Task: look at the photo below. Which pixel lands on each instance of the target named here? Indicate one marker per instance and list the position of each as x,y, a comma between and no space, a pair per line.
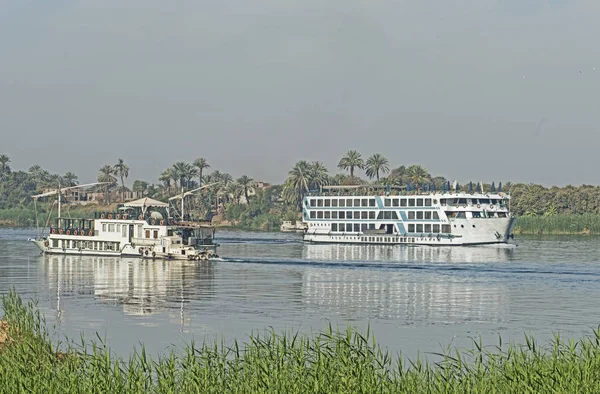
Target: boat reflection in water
415,285
141,287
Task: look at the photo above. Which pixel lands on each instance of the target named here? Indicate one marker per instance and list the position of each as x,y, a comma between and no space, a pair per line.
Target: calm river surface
415,299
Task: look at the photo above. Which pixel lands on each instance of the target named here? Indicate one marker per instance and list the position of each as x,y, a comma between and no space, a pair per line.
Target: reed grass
588,224
326,362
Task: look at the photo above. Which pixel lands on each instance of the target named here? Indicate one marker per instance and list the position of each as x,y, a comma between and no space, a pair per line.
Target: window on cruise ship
313,202
342,215
111,227
319,214
104,227
364,215
357,202
124,231
419,228
387,202
320,202
427,215
427,228
371,202
342,202
139,231
443,201
395,202
363,227
334,215
147,233
428,202
334,227
436,228
411,215
327,202
403,202
364,202
380,215
494,201
155,234
348,227
348,202
435,215
484,200
356,227
460,215
313,214
334,202
419,202
371,214
371,226
446,229
327,215
394,215
411,202
462,201
420,215
387,215
118,228
348,214
411,228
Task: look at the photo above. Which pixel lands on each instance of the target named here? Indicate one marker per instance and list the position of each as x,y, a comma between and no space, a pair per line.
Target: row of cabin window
342,202
412,228
366,215
91,245
115,228
382,215
465,201
370,202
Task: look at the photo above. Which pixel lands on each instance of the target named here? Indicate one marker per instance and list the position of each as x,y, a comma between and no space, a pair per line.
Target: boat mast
182,198
59,201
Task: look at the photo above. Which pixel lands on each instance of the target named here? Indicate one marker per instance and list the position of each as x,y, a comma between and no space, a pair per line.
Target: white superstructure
138,229
352,215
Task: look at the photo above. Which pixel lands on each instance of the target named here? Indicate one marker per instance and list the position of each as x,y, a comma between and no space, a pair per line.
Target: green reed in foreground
558,224
328,362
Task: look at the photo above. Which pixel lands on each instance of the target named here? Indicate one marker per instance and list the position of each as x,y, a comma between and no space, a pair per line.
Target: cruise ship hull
464,232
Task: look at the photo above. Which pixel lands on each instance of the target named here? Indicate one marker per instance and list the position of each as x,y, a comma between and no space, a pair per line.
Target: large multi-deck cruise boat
353,214
141,228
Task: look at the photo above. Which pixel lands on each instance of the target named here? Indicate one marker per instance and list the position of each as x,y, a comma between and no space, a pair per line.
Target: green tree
377,164
201,164
297,184
318,175
245,182
351,160
418,175
69,179
122,171
4,166
105,174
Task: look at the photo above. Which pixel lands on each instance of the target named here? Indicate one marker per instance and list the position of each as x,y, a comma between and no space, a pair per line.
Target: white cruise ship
351,214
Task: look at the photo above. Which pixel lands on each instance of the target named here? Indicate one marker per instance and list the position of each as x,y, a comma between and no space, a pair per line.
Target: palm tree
245,182
318,175
184,172
399,175
297,183
351,160
235,190
122,170
377,164
201,164
105,174
166,177
417,174
69,179
4,167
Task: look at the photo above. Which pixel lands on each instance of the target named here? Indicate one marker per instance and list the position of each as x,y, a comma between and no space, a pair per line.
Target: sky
472,90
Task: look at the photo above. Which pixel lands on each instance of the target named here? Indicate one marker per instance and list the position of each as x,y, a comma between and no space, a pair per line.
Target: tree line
234,198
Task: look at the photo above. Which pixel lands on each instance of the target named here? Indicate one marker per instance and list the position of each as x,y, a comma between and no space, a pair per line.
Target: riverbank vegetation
246,203
326,362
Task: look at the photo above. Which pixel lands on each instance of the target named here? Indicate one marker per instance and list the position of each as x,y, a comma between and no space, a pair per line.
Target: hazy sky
481,89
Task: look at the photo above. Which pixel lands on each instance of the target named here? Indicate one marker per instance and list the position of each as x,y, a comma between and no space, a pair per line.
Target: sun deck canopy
145,202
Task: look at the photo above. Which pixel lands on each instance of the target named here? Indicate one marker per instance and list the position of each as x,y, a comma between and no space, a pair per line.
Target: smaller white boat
141,228
288,227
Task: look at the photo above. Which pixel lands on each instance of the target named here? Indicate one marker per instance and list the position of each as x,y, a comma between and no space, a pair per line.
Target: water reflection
401,253
140,287
409,295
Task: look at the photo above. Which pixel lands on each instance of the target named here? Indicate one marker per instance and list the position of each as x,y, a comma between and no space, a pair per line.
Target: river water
415,300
